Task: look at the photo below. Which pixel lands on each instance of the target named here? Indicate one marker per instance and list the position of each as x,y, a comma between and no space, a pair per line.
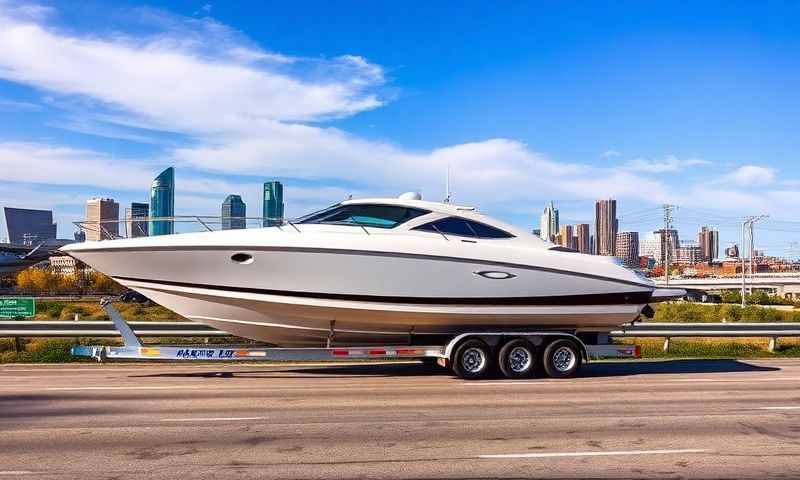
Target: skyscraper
548,226
708,240
605,227
566,237
102,219
657,244
627,248
234,212
137,211
162,202
273,203
26,225
582,238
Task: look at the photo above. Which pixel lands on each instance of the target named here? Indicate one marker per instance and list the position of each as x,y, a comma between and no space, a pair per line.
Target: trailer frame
134,350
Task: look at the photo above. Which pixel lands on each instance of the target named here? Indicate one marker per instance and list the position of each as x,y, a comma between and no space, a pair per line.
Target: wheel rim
564,359
519,359
473,359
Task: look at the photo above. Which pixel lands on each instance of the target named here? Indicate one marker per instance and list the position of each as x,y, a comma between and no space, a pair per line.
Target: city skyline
579,236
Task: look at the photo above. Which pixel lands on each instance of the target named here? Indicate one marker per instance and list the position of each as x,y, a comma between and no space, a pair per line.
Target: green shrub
49,310
696,312
688,348
47,350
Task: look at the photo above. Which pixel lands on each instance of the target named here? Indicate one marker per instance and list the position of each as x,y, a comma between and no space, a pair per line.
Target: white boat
374,271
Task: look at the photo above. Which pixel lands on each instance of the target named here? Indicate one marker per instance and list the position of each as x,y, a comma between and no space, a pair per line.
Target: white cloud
668,164
750,176
610,154
173,82
14,106
242,106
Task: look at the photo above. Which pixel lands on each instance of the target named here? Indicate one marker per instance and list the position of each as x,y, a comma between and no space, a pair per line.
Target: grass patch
40,350
678,312
715,347
61,310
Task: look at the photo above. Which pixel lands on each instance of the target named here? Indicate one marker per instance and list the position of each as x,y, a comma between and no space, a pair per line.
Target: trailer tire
472,360
517,359
562,359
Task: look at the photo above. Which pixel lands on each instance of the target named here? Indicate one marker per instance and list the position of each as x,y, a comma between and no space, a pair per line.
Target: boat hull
292,290
285,321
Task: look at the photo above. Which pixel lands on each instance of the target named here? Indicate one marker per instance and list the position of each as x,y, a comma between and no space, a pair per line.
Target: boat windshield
463,228
379,216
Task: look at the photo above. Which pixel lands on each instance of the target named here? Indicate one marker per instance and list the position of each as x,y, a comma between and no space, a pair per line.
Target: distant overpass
786,285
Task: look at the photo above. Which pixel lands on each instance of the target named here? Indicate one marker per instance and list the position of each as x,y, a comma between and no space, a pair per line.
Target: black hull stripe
342,251
631,298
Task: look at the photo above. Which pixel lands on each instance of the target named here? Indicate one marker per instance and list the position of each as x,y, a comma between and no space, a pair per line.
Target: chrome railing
144,226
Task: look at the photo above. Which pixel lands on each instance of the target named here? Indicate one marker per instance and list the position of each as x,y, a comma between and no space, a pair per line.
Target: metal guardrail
105,329
699,329
773,331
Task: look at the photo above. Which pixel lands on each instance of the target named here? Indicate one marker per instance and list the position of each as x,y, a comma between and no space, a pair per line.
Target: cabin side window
463,228
379,216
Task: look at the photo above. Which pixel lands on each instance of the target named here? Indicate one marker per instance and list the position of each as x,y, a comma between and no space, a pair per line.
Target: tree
104,284
731,296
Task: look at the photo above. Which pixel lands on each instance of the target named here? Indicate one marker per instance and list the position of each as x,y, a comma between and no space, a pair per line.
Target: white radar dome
411,196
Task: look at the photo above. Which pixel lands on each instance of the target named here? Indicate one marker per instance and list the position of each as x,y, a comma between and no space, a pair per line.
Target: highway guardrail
105,329
773,331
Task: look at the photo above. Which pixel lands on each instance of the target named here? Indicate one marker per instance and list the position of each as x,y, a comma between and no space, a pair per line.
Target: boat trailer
134,350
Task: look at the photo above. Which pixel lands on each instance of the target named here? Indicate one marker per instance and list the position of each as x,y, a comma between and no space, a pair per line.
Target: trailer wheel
517,359
562,359
472,360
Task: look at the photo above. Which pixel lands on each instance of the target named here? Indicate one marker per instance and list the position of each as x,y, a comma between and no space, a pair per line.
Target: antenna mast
447,192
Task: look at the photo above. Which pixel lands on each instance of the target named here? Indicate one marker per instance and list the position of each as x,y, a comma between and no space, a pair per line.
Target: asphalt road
676,419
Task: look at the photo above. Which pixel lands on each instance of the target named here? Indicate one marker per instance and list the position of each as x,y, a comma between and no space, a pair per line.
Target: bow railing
152,226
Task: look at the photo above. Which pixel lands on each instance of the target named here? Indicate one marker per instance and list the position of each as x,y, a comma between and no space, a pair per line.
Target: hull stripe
340,251
631,298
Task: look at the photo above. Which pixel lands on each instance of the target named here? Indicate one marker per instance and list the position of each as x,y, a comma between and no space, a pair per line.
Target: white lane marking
17,472
177,365
591,454
532,382
213,419
733,380
787,407
136,387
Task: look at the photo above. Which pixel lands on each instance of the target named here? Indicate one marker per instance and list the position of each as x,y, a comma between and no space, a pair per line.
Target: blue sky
694,104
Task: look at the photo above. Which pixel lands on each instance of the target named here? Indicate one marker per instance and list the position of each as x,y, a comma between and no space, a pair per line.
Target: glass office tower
273,203
162,202
234,212
28,226
137,211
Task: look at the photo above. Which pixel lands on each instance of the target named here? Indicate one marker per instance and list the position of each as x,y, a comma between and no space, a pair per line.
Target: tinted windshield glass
463,228
380,216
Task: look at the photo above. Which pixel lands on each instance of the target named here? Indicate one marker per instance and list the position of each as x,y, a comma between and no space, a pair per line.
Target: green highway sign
13,307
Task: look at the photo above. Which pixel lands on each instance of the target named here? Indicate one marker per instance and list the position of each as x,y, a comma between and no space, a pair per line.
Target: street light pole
741,256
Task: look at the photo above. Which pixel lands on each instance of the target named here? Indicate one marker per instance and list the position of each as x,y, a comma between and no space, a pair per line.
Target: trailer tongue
471,355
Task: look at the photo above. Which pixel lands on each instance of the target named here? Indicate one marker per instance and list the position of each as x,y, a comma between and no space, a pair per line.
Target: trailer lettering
195,353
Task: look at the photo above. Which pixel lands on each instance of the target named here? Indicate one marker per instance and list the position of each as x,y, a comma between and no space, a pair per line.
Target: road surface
674,419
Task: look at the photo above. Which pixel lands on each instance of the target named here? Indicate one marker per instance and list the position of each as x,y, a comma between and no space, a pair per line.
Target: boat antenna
447,192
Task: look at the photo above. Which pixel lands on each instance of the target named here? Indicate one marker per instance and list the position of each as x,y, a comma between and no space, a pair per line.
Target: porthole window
242,258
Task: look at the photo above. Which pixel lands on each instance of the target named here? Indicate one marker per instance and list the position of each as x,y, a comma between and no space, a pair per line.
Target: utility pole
741,255
752,246
666,239
747,225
